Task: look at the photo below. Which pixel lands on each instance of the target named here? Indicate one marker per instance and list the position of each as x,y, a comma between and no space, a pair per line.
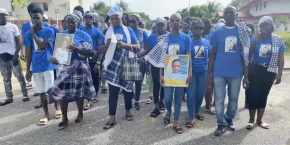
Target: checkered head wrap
75,17
267,19
137,16
161,20
79,14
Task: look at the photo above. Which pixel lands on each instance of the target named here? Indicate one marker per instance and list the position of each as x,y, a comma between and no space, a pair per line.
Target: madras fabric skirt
261,82
73,83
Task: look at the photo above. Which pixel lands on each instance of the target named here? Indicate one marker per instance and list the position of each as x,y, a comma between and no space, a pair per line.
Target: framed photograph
61,53
176,70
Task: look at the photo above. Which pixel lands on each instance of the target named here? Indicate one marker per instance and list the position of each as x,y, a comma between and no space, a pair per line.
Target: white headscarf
115,10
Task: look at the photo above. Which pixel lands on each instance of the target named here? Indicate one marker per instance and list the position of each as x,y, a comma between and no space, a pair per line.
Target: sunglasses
132,21
198,28
88,17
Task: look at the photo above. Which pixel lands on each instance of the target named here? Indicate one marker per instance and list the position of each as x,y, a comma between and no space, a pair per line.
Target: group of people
221,58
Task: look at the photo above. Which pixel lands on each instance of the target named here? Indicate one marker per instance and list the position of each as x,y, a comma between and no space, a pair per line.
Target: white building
253,10
50,7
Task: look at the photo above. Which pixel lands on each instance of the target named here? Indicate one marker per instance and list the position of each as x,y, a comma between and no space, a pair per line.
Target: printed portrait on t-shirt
3,36
119,37
173,49
199,52
231,44
265,50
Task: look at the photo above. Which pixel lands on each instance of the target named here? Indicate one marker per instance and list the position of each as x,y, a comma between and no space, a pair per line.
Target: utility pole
188,7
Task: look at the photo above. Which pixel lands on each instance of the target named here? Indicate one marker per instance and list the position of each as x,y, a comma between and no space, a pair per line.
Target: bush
286,37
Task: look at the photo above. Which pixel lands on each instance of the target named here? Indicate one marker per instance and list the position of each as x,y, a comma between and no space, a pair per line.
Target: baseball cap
3,11
45,17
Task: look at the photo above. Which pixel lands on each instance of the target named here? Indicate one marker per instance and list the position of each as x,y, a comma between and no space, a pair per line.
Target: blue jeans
168,96
220,85
196,92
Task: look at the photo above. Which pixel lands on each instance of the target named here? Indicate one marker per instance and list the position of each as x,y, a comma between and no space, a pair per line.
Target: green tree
282,20
124,5
211,8
101,8
19,4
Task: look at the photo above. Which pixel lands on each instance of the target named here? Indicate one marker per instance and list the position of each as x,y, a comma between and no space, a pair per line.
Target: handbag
6,57
132,68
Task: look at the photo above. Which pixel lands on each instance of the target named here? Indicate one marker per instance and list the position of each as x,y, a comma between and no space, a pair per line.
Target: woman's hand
121,44
28,76
53,60
246,83
96,67
278,79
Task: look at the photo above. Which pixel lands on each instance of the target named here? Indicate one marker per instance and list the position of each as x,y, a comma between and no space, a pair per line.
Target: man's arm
280,63
39,42
18,45
189,62
28,58
212,57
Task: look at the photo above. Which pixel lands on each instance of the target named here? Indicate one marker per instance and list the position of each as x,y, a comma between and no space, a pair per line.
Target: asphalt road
18,124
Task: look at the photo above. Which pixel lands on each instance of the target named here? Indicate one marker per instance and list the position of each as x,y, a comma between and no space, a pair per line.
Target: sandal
62,125
79,122
210,111
264,125
150,100
129,117
250,126
87,107
95,100
178,129
43,121
161,106
200,117
109,125
57,114
190,124
155,113
166,119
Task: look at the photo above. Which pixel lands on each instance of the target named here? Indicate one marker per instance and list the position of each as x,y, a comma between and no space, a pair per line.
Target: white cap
45,17
3,11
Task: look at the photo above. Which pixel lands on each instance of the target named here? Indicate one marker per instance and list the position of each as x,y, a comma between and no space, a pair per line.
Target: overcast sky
160,8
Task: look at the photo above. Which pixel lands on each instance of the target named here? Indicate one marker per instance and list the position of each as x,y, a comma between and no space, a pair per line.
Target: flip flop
178,129
43,121
95,100
57,114
129,117
149,101
87,107
250,126
200,117
264,125
189,124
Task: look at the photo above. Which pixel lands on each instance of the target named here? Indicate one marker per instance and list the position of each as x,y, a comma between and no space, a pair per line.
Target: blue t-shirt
55,29
95,34
145,38
207,37
152,40
26,27
40,58
200,54
178,44
79,38
263,51
120,35
228,62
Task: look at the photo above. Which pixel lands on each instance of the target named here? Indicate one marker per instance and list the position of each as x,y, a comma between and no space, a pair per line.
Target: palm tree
124,5
101,8
211,8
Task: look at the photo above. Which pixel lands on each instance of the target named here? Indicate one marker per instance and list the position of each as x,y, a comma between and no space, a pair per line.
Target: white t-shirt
7,34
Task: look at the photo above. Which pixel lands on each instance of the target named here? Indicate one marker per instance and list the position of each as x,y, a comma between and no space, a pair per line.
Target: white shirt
7,41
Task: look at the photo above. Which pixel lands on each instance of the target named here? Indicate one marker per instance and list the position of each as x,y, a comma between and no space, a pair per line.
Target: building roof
255,20
241,14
